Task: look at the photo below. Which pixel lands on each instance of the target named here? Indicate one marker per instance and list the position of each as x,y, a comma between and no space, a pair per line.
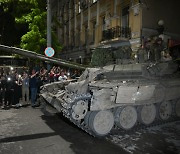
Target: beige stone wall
106,9
82,24
135,22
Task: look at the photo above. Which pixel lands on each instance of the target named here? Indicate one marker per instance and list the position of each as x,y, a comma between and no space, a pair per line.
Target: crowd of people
22,89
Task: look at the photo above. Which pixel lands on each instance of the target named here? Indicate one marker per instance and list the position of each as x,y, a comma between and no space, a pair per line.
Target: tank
120,95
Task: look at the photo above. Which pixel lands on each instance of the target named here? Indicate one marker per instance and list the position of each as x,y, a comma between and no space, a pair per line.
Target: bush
101,57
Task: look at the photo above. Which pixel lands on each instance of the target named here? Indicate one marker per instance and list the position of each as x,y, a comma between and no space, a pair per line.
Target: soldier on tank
141,55
158,48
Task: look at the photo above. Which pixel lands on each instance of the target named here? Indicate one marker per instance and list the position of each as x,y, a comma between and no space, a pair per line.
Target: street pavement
29,131
162,139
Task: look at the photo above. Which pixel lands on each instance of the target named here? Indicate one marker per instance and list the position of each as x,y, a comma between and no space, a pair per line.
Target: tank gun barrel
32,54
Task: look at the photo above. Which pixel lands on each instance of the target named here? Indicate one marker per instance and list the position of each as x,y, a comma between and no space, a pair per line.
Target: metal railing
116,32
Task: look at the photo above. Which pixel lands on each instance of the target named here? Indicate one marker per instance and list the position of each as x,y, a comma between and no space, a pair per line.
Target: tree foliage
35,39
101,57
30,14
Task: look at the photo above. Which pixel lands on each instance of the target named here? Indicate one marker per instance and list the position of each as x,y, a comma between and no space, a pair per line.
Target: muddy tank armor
118,96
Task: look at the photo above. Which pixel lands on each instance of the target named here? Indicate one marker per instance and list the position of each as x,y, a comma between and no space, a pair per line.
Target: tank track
80,123
139,126
82,126
67,110
116,130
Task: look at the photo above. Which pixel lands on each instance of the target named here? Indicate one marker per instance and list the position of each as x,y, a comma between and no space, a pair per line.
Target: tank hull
98,104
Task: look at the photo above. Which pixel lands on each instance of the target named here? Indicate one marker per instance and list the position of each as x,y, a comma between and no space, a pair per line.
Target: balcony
116,32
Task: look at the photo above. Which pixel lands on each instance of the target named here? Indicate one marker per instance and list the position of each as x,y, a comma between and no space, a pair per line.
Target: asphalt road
163,139
29,131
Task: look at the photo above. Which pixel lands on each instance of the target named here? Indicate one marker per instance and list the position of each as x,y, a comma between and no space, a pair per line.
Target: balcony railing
116,32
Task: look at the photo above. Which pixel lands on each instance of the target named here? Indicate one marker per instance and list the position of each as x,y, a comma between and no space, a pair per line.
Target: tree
35,38
101,57
10,31
30,14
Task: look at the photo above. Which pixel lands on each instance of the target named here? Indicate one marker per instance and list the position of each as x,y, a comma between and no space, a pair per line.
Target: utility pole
48,23
48,28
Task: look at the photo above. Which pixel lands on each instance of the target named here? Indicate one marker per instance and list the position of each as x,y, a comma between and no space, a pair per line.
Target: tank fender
80,87
132,94
102,99
159,93
172,89
55,86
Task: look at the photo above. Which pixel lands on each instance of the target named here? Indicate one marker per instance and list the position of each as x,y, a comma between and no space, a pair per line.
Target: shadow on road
26,137
80,141
63,132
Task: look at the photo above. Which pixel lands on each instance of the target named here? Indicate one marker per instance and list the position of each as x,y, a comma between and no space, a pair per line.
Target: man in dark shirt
33,87
3,87
16,89
9,93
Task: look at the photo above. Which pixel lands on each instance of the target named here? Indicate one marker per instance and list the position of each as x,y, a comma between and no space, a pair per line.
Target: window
125,17
94,30
86,35
78,37
103,23
72,7
73,38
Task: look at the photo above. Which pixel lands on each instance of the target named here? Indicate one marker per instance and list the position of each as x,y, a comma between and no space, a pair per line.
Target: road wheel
147,113
100,122
126,117
177,108
165,110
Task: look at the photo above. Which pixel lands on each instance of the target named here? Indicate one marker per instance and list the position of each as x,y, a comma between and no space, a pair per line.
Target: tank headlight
9,79
19,75
12,68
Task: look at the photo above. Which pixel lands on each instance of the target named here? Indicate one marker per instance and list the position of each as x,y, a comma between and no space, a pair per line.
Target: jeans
25,94
33,96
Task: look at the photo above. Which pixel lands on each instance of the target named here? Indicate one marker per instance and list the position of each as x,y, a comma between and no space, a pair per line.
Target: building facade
88,24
